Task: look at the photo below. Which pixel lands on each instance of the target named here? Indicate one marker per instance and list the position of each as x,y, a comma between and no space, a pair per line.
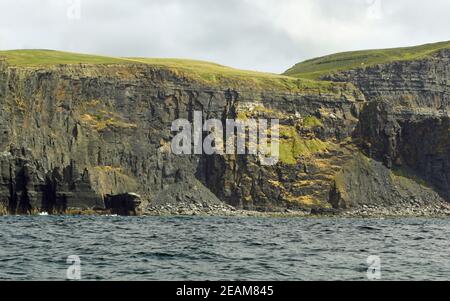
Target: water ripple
195,248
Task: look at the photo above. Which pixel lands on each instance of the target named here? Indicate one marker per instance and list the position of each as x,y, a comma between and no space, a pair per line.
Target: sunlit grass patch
319,67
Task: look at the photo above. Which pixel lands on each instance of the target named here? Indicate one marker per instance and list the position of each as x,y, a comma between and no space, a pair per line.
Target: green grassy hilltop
210,73
51,57
301,77
318,67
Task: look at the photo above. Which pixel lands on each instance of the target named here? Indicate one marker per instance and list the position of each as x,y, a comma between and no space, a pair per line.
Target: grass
312,122
204,72
50,57
215,74
306,200
300,78
100,122
293,146
319,67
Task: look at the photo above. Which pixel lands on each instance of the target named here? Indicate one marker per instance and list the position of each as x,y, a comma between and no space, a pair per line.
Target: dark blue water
157,248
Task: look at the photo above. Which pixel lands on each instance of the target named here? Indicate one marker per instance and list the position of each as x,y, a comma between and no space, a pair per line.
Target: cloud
266,35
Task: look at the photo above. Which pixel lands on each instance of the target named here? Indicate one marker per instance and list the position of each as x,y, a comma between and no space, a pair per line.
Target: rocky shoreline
203,205
432,211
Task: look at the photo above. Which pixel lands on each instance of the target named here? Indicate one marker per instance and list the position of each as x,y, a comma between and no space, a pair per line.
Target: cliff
79,131
405,124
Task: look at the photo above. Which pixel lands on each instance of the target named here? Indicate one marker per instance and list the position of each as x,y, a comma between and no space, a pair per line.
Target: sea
223,248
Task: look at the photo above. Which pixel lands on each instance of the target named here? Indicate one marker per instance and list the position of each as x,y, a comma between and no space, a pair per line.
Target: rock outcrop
123,204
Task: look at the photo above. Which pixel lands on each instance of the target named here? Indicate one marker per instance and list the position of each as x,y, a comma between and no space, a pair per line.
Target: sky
263,35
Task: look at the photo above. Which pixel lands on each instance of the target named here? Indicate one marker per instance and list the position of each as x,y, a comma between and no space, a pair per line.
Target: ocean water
213,248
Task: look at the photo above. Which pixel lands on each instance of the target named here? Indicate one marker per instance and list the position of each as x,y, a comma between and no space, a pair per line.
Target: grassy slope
318,67
50,57
216,74
209,73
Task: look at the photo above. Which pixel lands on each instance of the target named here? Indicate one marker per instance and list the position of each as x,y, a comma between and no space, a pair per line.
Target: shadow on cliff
411,145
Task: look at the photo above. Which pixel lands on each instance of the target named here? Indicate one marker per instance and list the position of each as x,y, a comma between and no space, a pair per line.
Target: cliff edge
89,133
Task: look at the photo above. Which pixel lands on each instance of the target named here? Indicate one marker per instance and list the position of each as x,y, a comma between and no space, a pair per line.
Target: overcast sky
265,35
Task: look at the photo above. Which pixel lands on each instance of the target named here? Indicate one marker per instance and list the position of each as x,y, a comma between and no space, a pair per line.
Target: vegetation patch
242,115
303,200
298,200
312,122
50,57
319,67
293,146
103,119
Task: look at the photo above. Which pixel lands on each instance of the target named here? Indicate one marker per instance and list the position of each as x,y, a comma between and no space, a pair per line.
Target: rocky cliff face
73,135
405,124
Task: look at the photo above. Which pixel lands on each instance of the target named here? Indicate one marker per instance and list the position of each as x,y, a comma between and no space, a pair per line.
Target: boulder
123,204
